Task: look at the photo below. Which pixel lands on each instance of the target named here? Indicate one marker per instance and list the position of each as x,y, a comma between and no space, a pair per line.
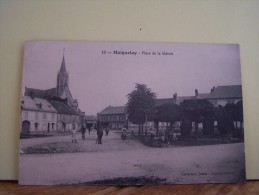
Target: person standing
74,135
124,134
83,130
99,135
107,131
89,130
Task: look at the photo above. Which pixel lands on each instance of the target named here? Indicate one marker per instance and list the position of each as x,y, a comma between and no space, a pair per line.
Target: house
67,117
221,95
37,115
113,116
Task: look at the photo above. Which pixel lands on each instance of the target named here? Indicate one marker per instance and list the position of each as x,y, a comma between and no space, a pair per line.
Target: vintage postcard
131,113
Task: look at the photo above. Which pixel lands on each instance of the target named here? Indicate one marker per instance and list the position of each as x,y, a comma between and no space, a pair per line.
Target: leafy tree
235,114
239,117
141,103
186,126
239,112
224,117
198,111
168,112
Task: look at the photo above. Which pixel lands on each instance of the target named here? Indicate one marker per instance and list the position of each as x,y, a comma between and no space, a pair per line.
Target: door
26,127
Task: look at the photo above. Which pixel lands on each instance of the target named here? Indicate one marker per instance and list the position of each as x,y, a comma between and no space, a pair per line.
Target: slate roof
63,108
36,104
114,110
63,66
40,93
226,92
179,99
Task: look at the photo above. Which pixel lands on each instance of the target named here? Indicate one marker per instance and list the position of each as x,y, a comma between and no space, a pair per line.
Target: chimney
174,98
196,93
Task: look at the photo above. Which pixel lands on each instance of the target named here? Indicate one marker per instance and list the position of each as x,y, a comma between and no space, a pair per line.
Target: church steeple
62,77
63,65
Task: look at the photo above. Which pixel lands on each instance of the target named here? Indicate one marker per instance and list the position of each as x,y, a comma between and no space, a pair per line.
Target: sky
98,77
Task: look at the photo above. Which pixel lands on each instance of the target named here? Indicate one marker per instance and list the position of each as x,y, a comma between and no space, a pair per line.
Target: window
52,125
44,115
36,126
36,116
26,114
53,116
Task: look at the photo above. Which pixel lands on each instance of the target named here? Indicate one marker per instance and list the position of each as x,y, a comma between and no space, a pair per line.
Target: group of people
100,132
83,131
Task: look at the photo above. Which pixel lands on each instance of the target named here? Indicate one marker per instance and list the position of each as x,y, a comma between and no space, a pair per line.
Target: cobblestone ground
115,159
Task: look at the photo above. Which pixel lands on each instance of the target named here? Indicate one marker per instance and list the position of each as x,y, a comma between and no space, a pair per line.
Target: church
69,116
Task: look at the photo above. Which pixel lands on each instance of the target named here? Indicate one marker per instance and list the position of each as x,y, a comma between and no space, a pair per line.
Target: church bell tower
62,77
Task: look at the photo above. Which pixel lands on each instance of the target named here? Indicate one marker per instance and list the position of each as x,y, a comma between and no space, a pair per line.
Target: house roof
36,104
40,93
160,102
178,100
202,95
114,110
63,108
226,92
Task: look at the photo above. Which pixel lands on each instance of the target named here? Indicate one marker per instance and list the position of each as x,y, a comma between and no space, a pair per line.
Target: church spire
62,77
63,66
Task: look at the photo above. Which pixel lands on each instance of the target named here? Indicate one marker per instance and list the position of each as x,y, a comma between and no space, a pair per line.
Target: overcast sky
98,80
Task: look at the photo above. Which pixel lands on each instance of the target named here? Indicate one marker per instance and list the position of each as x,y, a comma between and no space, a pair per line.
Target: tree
198,111
239,117
168,112
141,103
235,115
224,117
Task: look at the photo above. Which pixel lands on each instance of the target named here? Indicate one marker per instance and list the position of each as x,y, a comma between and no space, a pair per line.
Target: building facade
37,115
67,118
115,117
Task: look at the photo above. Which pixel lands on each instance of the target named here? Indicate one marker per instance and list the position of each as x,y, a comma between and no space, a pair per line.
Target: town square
90,116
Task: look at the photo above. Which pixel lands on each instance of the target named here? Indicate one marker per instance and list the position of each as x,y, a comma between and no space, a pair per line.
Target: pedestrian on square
124,133
83,130
74,135
99,135
89,130
107,131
